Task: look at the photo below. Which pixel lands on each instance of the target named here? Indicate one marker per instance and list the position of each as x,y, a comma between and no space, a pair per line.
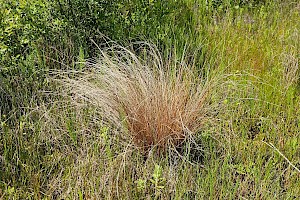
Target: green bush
124,21
22,24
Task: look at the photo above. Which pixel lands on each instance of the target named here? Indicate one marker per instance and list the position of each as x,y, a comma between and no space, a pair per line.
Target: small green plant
107,141
72,129
157,180
141,184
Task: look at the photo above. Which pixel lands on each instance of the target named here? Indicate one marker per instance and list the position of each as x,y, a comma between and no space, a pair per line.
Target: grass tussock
156,102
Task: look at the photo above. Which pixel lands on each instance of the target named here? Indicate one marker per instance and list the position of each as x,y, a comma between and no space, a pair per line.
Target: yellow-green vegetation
150,99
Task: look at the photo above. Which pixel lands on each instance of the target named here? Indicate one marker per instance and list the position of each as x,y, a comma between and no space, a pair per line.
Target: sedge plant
155,102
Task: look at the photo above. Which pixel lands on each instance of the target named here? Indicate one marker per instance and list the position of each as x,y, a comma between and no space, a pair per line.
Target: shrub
154,101
22,24
158,21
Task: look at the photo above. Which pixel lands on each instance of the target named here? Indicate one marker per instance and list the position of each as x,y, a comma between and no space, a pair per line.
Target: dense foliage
38,35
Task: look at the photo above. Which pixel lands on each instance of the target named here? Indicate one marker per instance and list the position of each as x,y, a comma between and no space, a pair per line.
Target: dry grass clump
153,101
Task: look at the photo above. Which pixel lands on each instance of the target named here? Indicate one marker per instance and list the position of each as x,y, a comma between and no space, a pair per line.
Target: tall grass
156,101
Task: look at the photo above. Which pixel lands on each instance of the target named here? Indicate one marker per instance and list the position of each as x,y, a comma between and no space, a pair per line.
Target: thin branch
272,146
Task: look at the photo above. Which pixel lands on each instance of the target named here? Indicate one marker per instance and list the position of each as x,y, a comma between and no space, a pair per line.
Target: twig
272,146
